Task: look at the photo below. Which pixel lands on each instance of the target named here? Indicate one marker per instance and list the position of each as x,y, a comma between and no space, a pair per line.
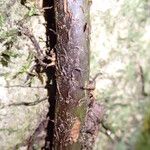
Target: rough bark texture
73,71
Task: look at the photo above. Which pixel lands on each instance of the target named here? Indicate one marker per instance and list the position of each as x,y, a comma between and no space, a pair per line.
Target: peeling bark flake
74,134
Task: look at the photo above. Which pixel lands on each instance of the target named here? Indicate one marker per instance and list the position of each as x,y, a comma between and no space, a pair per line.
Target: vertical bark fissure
51,85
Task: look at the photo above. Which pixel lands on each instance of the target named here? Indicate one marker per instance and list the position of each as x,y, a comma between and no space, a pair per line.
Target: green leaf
32,11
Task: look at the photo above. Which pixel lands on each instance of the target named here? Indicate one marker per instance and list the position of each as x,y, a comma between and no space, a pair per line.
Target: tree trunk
72,72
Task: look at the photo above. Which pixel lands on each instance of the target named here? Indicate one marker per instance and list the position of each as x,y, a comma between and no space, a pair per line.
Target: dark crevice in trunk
51,85
49,15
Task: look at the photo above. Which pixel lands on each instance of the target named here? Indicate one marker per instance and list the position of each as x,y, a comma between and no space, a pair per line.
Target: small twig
105,131
92,83
96,76
53,31
27,32
46,8
30,74
106,134
28,103
108,129
39,56
141,73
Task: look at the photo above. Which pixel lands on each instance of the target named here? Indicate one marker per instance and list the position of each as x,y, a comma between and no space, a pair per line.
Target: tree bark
72,72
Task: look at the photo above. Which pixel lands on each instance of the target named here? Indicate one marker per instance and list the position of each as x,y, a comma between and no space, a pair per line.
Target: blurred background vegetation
120,41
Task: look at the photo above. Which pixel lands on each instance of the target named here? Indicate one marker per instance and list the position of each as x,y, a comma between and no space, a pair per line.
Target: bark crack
51,84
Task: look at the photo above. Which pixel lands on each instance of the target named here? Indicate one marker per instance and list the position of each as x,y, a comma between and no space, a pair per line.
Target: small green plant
5,57
32,11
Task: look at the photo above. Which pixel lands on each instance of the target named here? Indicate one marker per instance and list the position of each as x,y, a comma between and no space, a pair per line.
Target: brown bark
72,72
